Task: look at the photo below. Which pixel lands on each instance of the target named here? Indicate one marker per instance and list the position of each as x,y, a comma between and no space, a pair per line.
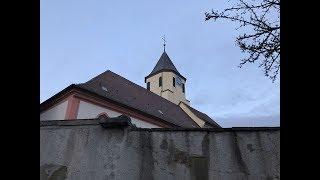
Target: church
162,104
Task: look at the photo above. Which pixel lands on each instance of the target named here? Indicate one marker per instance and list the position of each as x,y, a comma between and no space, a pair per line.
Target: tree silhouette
263,43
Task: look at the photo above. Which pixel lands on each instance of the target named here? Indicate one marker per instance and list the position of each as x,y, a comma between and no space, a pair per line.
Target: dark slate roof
132,95
164,64
204,117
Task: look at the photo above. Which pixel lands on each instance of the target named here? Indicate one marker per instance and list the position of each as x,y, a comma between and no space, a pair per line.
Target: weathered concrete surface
88,151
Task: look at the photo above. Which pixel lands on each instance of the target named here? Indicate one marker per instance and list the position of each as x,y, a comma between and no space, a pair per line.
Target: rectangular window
160,81
183,90
174,82
148,85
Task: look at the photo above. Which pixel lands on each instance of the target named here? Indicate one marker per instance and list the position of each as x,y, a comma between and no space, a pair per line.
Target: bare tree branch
264,43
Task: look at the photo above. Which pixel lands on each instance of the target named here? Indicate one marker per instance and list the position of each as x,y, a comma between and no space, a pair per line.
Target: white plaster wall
56,113
88,111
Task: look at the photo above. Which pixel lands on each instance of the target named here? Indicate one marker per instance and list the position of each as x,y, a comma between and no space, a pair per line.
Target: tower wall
167,90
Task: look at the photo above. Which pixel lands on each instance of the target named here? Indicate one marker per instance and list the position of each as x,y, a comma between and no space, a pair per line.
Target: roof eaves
164,70
45,104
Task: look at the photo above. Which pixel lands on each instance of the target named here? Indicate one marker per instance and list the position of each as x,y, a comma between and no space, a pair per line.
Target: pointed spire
164,64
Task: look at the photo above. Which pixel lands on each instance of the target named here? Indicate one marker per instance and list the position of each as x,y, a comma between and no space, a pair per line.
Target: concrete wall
82,152
58,112
175,94
88,111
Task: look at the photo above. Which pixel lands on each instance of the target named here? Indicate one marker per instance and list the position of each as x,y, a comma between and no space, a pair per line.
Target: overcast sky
83,38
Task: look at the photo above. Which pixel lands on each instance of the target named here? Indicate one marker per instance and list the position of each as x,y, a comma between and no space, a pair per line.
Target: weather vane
164,42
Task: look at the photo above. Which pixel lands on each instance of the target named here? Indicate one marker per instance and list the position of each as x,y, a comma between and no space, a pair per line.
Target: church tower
166,81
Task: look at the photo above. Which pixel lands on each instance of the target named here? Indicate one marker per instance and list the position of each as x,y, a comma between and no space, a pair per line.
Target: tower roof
164,64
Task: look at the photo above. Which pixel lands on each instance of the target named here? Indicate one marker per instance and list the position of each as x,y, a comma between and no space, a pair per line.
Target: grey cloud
200,100
249,121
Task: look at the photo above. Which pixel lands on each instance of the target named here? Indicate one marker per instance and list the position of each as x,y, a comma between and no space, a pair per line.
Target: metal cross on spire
164,42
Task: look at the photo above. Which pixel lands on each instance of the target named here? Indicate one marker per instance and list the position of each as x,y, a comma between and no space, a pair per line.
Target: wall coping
86,122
